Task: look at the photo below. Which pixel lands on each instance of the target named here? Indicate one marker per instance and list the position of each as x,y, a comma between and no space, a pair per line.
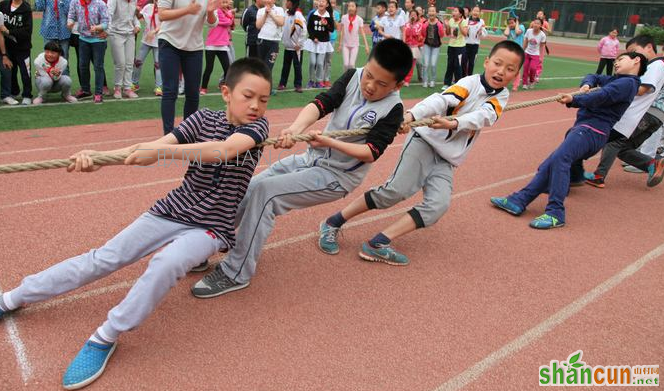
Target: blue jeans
171,61
94,51
553,175
64,45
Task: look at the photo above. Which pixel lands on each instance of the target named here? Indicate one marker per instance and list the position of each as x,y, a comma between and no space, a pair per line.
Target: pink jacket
414,36
608,47
221,34
441,29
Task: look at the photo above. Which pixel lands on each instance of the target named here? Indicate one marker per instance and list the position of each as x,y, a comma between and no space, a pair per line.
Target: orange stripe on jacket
496,106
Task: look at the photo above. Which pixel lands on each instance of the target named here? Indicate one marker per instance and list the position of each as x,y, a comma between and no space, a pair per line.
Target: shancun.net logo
575,372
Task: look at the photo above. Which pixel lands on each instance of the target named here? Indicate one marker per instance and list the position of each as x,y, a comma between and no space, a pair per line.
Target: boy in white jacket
49,77
430,155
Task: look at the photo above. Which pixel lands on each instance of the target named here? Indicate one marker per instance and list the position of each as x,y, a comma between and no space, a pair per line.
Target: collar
489,90
655,59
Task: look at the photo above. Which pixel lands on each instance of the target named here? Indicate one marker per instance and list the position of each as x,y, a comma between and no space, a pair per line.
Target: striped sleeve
486,115
189,130
257,130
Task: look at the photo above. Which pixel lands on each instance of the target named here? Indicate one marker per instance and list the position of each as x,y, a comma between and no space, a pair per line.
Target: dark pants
19,59
252,50
468,59
268,51
625,148
294,57
91,52
453,64
209,64
608,62
171,61
5,82
553,175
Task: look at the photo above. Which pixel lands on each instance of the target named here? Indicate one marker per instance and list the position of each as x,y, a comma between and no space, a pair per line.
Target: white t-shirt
44,69
476,30
654,77
534,42
392,26
147,12
270,31
186,32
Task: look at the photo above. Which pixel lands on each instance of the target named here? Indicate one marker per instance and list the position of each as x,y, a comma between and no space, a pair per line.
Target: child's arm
324,103
364,37
6,62
483,117
381,135
71,15
609,94
438,103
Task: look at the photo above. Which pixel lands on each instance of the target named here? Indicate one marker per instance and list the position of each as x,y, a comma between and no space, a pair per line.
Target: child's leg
21,62
63,85
169,63
209,67
353,56
145,235
610,152
320,67
157,67
434,64
297,65
426,54
285,67
609,66
129,46
85,50
328,66
458,71
345,55
538,185
312,67
534,66
44,85
540,64
224,59
283,187
526,69
630,154
98,50
600,66
138,63
116,42
449,72
191,63
189,247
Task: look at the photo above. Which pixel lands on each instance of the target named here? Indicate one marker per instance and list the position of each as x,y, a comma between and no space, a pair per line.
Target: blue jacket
601,109
53,27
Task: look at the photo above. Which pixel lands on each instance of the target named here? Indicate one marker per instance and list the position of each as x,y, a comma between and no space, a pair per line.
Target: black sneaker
201,267
214,284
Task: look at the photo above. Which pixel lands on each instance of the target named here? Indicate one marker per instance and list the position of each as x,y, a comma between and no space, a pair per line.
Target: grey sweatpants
286,185
122,50
45,85
419,168
185,247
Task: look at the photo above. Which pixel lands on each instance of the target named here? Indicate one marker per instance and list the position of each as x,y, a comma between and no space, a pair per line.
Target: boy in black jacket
17,31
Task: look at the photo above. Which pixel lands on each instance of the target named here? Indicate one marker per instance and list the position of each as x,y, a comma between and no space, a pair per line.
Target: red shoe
98,99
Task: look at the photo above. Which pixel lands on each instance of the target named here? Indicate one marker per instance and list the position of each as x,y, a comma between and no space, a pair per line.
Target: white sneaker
26,102
38,100
117,94
10,101
70,99
633,169
432,84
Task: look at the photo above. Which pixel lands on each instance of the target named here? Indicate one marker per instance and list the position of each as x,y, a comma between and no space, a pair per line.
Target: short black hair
643,41
246,65
509,46
381,4
643,66
393,55
53,46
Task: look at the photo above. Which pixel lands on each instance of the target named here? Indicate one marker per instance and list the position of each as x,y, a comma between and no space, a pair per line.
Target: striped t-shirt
211,192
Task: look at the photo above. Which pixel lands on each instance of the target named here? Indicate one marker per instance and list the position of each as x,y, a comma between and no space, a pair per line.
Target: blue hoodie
601,109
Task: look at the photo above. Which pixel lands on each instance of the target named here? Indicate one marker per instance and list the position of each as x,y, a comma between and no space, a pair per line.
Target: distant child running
533,44
430,155
193,222
598,113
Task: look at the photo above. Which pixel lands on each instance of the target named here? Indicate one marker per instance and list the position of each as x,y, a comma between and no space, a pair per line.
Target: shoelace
330,234
546,217
217,277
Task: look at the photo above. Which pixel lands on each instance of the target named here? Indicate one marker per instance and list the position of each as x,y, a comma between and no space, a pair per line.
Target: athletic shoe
117,94
98,99
546,221
281,87
506,205
525,87
203,91
655,172
383,254
88,365
327,84
214,284
10,101
327,239
38,100
432,84
68,99
298,90
82,94
158,91
26,102
588,175
633,169
311,84
135,87
273,92
319,85
105,91
597,181
203,266
406,84
128,93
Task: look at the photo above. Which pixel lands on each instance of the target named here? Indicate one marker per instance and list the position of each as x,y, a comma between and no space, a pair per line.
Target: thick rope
105,160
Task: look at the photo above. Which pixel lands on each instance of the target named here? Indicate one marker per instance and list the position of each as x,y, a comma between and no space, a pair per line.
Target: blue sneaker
88,365
327,239
506,205
589,176
383,254
655,173
546,221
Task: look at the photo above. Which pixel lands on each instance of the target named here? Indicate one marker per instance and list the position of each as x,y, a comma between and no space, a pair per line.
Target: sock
6,302
97,338
3,306
336,220
380,240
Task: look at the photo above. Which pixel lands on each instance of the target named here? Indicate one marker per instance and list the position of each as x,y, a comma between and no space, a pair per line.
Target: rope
105,160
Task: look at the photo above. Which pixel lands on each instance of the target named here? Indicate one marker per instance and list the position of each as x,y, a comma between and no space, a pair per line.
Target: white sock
99,337
7,303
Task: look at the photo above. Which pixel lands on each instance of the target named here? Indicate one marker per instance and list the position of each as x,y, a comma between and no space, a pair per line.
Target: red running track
483,304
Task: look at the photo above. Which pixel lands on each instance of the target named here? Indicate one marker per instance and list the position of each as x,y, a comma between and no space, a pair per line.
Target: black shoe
214,284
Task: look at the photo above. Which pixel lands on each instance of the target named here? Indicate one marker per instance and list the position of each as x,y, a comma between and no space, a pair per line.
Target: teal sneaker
546,221
327,239
655,172
383,254
506,205
88,365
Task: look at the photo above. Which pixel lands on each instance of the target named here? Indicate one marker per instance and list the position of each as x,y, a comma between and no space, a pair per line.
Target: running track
485,301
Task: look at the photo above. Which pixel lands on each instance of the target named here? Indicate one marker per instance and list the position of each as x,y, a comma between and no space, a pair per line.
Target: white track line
474,372
281,243
14,338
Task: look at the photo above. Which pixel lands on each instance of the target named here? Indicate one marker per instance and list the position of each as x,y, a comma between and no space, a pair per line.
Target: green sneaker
383,254
327,239
546,221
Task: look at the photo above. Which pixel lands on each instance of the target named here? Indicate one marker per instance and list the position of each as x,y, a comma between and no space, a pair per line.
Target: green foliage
655,32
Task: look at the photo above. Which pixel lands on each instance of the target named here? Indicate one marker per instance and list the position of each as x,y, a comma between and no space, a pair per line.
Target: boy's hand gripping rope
105,160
